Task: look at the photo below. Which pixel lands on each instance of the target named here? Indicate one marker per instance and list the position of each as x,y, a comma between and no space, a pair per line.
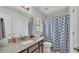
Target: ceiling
46,11
50,10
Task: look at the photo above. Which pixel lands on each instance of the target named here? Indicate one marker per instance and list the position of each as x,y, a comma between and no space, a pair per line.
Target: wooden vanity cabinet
36,48
35,51
33,48
25,51
40,44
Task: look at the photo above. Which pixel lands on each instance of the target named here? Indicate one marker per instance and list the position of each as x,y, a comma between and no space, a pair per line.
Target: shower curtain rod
58,15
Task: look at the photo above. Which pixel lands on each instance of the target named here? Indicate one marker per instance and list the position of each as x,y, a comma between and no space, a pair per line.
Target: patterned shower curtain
56,31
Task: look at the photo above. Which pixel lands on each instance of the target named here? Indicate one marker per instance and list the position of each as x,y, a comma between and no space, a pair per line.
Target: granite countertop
17,47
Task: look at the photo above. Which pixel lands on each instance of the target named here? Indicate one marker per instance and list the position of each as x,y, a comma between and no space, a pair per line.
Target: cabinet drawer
33,48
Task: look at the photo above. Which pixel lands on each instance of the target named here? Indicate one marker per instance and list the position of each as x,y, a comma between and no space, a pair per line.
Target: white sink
27,42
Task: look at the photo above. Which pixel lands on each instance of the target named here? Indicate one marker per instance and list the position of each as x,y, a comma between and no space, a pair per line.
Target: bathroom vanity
35,46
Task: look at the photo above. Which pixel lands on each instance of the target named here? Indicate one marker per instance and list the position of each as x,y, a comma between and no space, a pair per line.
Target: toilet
47,47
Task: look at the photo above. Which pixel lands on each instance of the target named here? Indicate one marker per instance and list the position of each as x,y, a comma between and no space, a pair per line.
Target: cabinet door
41,49
74,28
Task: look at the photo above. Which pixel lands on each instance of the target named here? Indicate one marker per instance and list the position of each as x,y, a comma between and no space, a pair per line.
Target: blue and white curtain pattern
56,31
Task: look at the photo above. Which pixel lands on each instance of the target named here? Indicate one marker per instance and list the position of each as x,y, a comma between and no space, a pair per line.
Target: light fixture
26,8
46,8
